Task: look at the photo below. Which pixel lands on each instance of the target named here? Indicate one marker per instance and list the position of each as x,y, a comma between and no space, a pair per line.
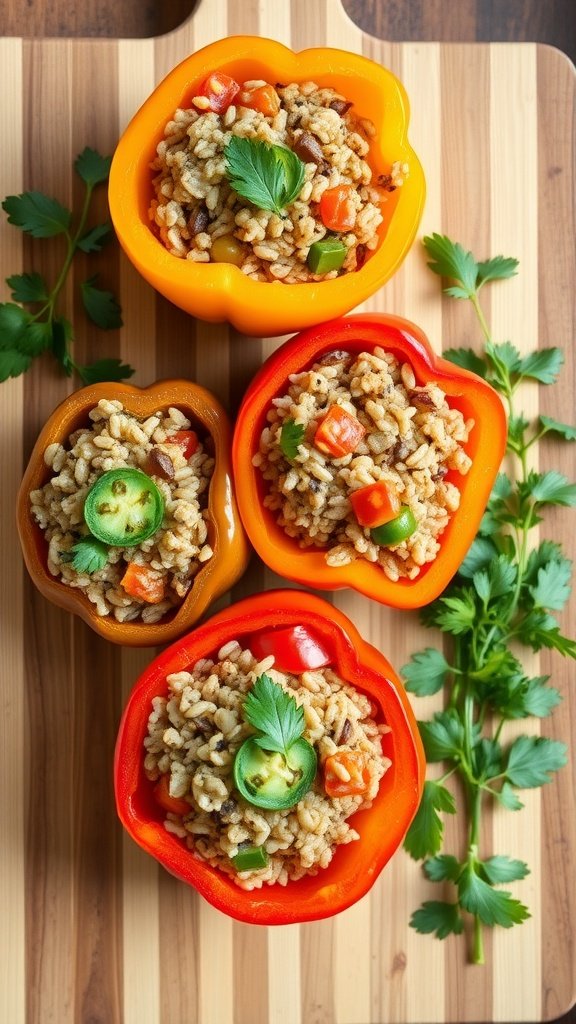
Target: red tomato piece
170,803
375,504
263,98
187,440
339,433
351,763
337,208
295,649
143,583
219,90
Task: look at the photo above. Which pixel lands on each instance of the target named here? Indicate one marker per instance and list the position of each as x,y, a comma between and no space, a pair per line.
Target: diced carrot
339,433
170,803
375,504
187,440
346,773
263,98
144,583
219,90
337,208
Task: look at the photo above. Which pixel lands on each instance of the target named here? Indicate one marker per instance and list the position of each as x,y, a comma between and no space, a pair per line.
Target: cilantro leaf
503,356
100,306
551,488
492,906
426,671
532,759
104,370
13,362
538,630
450,260
94,239
92,167
496,269
62,335
543,365
13,323
444,868
438,917
550,425
37,337
508,798
291,435
553,587
480,554
456,614
275,713
467,359
424,837
539,699
443,736
503,869
90,555
266,175
37,214
27,287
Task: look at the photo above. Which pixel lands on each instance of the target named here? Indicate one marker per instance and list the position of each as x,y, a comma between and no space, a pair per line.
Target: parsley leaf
275,713
503,869
551,488
508,798
291,435
92,167
532,759
105,370
37,214
439,917
90,555
93,240
100,306
496,269
425,673
266,175
553,588
443,868
543,365
467,359
550,425
492,906
424,837
443,737
27,287
450,259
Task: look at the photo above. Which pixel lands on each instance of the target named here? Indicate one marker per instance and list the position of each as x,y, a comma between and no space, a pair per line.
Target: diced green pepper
123,507
251,858
396,530
325,255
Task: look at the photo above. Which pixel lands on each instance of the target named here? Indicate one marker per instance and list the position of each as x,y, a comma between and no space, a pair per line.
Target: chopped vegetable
397,530
325,255
250,859
295,648
187,440
277,767
264,99
339,433
337,208
268,176
219,90
291,435
346,774
90,555
144,583
123,507
173,804
227,249
375,504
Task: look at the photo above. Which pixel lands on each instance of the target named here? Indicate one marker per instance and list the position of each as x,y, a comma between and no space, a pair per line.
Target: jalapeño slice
123,507
269,779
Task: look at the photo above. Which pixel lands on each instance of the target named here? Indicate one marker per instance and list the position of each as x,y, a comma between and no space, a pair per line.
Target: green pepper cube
396,530
325,255
252,858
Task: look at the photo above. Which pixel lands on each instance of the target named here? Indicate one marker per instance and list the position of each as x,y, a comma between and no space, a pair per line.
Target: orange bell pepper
219,291
351,763
264,98
339,433
143,583
337,208
464,391
381,827
375,504
227,537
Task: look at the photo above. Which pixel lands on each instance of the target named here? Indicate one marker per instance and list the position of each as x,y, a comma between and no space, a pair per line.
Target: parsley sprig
291,436
26,334
504,595
276,715
266,175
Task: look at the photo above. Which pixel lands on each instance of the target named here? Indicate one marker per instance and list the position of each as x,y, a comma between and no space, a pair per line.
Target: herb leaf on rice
266,175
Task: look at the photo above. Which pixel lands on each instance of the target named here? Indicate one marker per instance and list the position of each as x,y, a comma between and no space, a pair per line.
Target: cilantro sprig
276,715
90,555
27,333
291,435
266,175
504,597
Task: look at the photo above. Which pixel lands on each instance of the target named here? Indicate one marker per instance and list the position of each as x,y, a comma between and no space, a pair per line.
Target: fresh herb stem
505,593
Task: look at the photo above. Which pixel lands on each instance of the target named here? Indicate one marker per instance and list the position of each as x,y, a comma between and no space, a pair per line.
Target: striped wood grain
91,929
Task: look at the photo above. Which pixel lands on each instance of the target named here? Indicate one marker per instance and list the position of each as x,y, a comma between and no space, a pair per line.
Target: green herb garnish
268,176
276,715
504,595
90,555
291,435
26,334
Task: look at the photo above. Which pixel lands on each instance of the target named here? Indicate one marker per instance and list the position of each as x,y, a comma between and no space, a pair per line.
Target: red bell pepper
375,504
465,391
187,440
338,432
351,763
219,90
356,865
295,648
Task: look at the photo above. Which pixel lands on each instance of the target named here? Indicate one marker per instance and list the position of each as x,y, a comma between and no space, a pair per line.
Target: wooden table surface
92,931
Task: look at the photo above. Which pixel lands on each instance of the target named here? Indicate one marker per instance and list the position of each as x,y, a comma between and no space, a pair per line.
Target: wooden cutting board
91,929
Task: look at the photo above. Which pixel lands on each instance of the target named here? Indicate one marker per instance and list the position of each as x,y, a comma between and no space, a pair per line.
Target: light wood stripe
12,688
515,316
108,934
